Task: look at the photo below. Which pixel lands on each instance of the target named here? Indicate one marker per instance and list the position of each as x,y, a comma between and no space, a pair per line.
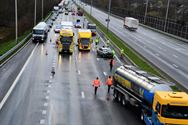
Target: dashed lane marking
83,95
175,65
49,86
44,112
79,72
98,59
175,56
42,121
47,97
157,54
105,73
48,91
45,104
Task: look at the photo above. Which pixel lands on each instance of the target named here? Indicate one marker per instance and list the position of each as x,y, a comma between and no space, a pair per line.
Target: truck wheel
124,101
115,94
141,117
119,97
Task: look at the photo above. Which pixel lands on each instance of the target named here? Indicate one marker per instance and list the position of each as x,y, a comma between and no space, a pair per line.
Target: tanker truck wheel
115,94
125,99
119,97
141,117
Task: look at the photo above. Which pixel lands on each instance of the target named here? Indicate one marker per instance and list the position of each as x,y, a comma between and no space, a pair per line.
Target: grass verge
136,58
5,46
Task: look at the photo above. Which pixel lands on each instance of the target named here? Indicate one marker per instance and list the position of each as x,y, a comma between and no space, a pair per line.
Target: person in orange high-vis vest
109,83
96,84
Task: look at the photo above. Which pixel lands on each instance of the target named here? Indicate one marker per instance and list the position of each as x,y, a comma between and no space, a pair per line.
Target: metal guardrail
8,53
3,59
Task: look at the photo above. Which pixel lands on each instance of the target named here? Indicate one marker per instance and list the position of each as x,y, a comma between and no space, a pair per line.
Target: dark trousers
109,88
96,90
111,67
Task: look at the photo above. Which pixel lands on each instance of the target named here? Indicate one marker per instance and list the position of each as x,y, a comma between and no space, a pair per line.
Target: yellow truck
169,108
84,39
158,104
66,41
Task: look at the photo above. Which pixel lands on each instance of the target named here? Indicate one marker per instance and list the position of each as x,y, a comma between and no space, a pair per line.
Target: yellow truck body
66,41
84,39
171,107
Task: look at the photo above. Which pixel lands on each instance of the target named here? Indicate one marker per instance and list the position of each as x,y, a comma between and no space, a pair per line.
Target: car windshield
58,27
66,39
180,112
91,27
106,50
38,32
85,41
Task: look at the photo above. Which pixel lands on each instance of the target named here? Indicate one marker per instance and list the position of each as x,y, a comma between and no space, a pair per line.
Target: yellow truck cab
84,39
170,108
66,41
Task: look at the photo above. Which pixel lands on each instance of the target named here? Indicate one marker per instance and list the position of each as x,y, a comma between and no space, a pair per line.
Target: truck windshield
38,32
66,39
91,27
179,112
85,41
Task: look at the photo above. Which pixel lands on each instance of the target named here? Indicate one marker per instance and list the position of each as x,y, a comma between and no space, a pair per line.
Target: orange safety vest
96,83
109,81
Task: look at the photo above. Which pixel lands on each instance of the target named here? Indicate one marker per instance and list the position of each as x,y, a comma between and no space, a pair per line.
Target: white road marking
16,80
49,86
98,59
175,56
47,97
44,112
48,91
118,60
50,81
175,65
42,121
157,54
82,93
51,77
105,73
79,72
45,104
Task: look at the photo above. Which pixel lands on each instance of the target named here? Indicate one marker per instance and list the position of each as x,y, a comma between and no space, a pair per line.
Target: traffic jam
130,85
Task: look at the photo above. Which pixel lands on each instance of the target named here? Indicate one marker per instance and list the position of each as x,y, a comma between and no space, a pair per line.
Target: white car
57,28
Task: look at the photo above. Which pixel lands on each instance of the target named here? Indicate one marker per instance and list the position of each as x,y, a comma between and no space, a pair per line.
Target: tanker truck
158,104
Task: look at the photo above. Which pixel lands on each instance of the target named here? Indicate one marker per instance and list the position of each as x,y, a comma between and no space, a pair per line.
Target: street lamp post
108,20
42,9
35,13
16,21
166,17
146,11
91,7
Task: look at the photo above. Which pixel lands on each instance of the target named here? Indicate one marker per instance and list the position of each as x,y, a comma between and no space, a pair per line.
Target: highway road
65,99
168,54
